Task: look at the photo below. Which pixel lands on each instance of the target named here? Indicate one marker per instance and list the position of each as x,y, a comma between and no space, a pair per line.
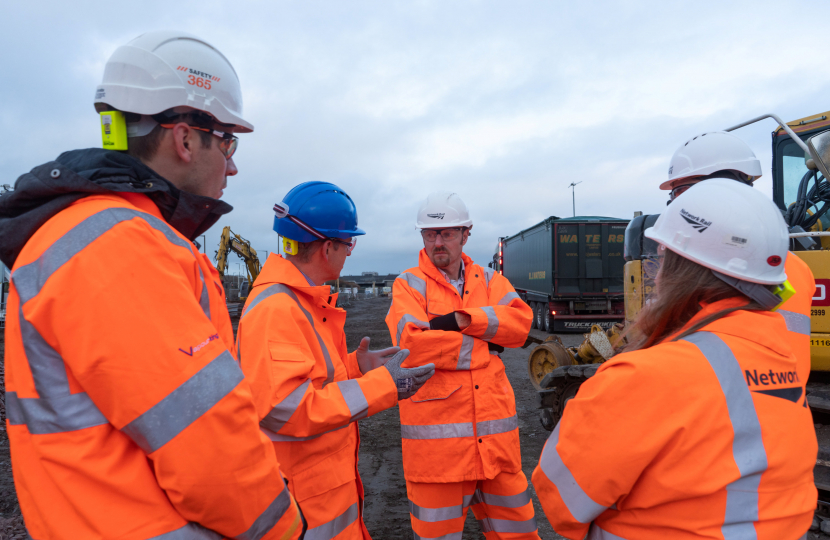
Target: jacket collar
50,188
426,266
277,269
762,327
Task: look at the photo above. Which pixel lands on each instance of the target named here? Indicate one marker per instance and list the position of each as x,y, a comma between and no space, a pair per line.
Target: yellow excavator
232,242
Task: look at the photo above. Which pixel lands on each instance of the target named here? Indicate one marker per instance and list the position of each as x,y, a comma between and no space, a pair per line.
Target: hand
408,380
368,360
463,320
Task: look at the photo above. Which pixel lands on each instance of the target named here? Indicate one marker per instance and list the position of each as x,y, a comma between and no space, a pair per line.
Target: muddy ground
381,468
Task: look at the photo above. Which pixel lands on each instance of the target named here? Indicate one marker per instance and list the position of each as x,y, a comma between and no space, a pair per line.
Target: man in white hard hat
720,154
460,431
127,413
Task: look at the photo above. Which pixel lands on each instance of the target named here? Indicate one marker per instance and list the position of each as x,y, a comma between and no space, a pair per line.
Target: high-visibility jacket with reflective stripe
796,311
308,390
128,417
704,437
462,424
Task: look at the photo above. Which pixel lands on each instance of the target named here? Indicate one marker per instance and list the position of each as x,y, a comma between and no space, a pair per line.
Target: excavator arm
232,242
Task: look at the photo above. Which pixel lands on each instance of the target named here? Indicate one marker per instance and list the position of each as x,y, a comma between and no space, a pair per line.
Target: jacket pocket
434,392
325,475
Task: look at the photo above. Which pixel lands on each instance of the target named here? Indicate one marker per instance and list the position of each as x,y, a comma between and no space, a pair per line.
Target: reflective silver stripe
507,526
278,437
414,283
204,299
488,275
595,533
505,501
493,427
450,536
282,411
433,515
186,404
582,507
53,414
492,323
56,410
796,322
329,530
354,398
509,297
437,431
279,288
269,518
409,319
30,278
191,531
747,445
465,353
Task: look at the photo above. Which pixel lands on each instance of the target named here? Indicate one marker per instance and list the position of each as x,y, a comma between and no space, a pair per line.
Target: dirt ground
381,468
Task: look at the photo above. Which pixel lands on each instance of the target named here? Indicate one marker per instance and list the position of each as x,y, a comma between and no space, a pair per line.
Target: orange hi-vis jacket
704,437
796,311
309,394
128,417
462,424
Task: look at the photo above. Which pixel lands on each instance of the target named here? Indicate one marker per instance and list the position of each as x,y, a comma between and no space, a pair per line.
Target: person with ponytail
700,428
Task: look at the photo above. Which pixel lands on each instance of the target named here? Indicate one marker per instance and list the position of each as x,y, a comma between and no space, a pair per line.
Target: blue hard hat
321,205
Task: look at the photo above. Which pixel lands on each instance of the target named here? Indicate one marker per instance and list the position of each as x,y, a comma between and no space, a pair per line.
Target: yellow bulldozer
232,242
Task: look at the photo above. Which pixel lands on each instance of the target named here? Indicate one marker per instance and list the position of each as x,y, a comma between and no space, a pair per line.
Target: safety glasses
282,212
430,235
227,144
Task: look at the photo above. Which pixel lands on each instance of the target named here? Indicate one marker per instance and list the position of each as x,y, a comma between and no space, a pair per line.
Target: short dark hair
144,148
306,249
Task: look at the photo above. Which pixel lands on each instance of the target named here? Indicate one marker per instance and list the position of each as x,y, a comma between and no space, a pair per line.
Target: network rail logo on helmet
436,216
697,223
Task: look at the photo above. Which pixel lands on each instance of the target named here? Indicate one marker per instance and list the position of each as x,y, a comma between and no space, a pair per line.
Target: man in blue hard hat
309,392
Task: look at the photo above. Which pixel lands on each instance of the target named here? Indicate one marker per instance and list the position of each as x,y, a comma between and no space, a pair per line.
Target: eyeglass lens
430,235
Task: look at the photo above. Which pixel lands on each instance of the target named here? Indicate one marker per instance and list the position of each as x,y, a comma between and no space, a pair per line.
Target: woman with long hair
700,429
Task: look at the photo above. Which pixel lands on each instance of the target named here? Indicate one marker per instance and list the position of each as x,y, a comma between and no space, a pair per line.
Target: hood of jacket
49,188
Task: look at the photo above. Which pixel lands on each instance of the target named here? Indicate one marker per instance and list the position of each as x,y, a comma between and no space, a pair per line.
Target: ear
184,140
465,236
326,249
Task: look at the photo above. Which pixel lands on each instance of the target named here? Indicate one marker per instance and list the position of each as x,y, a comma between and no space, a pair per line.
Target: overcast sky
505,103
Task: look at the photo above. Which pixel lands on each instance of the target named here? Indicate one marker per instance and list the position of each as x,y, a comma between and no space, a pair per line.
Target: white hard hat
709,153
443,209
158,71
729,227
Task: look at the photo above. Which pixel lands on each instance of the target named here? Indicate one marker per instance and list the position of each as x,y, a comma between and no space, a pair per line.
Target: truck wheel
539,316
533,325
559,387
546,318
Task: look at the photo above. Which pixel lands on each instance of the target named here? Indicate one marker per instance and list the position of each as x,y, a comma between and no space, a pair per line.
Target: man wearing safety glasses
309,391
128,415
460,432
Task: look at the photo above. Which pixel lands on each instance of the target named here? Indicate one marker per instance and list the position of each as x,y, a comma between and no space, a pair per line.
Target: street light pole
573,193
